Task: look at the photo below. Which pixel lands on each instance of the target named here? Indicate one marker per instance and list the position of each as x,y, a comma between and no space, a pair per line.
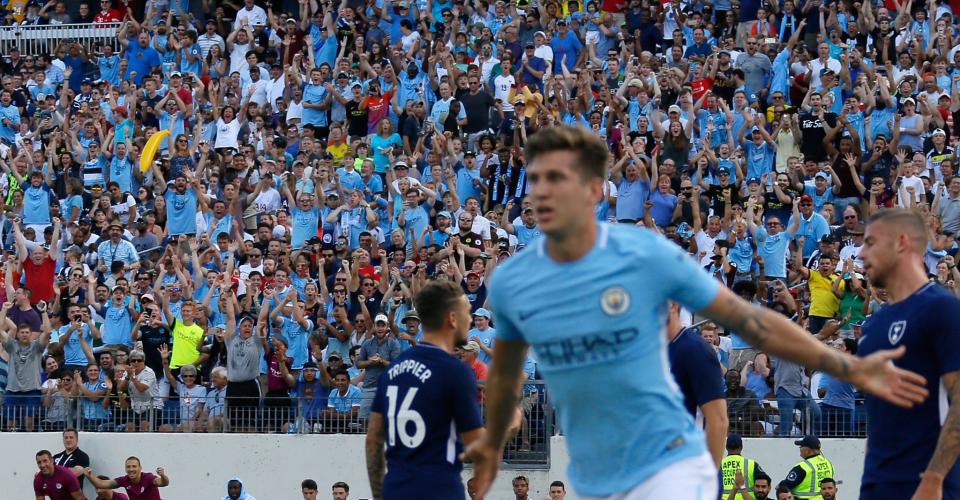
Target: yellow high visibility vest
816,468
728,469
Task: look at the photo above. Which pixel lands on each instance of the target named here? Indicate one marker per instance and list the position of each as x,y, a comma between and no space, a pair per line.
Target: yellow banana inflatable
150,150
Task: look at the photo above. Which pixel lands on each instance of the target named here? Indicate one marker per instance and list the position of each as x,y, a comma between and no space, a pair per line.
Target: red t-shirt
144,490
40,279
60,485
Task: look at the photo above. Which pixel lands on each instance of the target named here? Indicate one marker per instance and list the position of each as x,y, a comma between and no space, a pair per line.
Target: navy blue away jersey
900,441
427,398
697,371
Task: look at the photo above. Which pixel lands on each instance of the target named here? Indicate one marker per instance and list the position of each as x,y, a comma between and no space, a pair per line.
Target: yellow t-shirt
338,150
185,344
823,302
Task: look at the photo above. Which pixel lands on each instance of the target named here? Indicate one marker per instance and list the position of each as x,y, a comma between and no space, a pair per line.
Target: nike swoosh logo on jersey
528,314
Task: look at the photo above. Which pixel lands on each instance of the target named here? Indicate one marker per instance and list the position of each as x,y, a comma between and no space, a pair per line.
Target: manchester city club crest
896,331
615,301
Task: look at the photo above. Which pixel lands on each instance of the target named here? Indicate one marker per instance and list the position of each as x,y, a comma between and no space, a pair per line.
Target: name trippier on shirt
416,368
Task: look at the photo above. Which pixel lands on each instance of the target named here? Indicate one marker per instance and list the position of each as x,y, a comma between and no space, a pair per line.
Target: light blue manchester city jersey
597,328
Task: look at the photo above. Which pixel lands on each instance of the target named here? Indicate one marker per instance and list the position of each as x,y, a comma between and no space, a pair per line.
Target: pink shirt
144,490
59,486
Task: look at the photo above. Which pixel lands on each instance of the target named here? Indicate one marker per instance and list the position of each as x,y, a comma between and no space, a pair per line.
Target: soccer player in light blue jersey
596,310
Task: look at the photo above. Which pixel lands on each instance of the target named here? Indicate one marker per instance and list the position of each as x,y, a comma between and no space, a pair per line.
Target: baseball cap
445,213
673,109
821,175
734,442
87,81
115,288
806,199
381,318
540,33
471,346
857,230
310,364
939,131
469,153
828,238
473,273
723,170
809,442
910,101
753,180
636,82
483,313
147,296
529,45
401,164
175,74
334,355
411,314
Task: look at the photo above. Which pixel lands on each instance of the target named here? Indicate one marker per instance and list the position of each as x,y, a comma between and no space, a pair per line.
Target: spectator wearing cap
411,332
527,230
375,356
117,249
803,478
911,125
735,463
209,38
822,192
938,153
811,228
483,334
532,68
851,240
469,353
117,313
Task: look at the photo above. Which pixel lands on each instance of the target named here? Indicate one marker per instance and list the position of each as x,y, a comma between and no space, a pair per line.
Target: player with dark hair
425,407
924,318
597,311
54,481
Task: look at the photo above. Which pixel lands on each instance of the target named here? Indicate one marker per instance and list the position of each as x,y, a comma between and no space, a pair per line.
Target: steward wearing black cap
733,463
804,478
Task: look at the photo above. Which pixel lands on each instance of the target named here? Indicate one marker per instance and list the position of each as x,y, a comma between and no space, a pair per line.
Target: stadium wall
272,466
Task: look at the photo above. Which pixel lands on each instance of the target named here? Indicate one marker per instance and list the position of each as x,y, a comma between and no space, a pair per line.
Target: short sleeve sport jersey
602,318
900,441
427,399
695,368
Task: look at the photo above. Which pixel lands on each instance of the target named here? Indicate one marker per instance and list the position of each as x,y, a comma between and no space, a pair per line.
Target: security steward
804,478
733,462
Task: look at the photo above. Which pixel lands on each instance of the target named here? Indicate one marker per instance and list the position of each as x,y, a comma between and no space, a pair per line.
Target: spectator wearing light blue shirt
483,334
811,225
773,244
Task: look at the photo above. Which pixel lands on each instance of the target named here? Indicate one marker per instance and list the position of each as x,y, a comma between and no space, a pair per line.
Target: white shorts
694,478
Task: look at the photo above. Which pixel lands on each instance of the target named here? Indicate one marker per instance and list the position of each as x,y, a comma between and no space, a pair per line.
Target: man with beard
422,436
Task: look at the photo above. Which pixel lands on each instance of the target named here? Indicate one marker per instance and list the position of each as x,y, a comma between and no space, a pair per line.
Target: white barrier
272,465
44,39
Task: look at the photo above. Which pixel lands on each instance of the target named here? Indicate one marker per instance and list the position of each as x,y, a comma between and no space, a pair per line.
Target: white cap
279,232
381,318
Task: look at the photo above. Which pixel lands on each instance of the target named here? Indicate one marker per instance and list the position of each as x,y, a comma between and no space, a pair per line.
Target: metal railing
55,410
44,39
795,417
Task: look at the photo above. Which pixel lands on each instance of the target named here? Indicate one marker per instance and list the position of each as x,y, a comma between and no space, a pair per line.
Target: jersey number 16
398,421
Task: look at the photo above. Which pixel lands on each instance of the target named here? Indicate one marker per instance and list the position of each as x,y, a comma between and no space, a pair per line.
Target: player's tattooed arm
772,332
376,460
948,444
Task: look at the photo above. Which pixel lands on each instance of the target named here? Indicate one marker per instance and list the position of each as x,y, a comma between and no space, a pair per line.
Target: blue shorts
21,404
900,490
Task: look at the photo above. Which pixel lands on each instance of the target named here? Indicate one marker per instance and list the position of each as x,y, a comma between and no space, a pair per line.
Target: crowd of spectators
327,159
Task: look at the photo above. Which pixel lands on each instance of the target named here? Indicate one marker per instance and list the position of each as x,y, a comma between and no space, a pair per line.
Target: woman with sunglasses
60,403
